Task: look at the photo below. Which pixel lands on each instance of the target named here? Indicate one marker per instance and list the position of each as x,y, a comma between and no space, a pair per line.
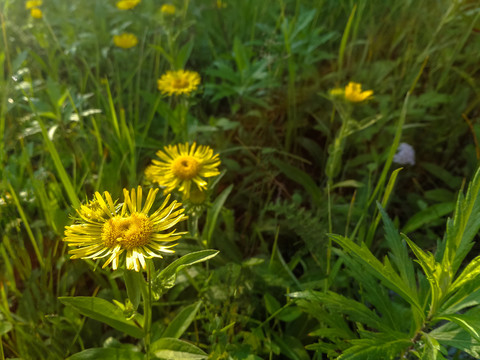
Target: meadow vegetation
239,179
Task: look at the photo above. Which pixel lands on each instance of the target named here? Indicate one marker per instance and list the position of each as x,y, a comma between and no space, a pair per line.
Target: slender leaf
174,349
107,354
165,279
182,321
104,311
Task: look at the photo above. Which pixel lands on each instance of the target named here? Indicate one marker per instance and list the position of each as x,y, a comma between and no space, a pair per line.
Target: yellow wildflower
352,92
127,4
221,4
30,4
178,82
182,167
168,9
36,13
125,40
127,233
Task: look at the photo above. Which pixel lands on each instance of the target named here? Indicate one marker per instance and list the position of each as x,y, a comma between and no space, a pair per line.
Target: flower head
30,4
178,82
352,92
36,13
127,4
183,166
125,40
126,231
168,9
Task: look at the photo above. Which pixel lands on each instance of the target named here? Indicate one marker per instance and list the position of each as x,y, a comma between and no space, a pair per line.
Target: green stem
147,311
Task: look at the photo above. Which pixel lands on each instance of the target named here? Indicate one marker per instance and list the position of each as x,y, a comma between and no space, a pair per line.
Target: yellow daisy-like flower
221,4
168,9
182,165
127,4
178,82
125,231
30,4
125,40
36,13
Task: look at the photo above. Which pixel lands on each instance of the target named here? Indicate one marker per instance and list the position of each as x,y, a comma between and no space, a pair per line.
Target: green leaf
182,321
343,305
431,350
174,349
165,279
383,272
441,174
451,334
292,347
5,327
300,177
377,346
468,323
464,226
399,253
134,281
104,311
107,354
428,215
213,213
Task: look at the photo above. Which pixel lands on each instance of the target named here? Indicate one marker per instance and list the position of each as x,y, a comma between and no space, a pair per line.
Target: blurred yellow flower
36,13
178,82
125,40
352,92
182,167
221,4
168,9
127,4
30,4
127,233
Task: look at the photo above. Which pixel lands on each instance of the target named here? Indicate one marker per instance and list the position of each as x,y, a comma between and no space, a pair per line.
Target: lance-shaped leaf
107,354
171,348
383,272
464,226
104,311
165,279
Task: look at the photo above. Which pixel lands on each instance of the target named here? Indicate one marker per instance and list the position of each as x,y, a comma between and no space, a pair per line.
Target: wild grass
309,207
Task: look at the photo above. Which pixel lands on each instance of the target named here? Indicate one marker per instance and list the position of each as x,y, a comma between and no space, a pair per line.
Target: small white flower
405,155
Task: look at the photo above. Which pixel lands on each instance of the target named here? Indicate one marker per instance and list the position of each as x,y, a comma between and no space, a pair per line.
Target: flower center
180,83
185,167
131,231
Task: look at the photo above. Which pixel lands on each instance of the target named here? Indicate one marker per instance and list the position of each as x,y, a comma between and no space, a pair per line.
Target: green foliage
301,268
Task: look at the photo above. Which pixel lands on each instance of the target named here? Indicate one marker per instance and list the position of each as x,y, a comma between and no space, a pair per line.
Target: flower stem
147,311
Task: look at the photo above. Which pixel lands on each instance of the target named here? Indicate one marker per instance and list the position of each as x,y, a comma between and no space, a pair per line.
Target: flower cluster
34,7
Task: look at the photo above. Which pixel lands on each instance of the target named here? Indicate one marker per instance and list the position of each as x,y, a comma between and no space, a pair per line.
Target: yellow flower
221,4
125,40
36,13
178,82
30,4
352,92
180,166
127,4
168,9
124,232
